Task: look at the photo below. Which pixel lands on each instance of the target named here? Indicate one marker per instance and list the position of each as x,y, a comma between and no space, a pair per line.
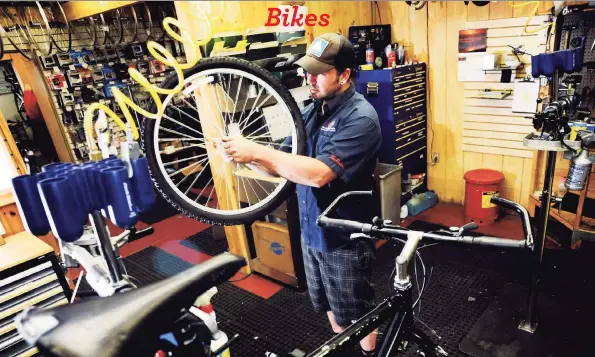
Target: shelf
544,145
492,94
412,188
568,219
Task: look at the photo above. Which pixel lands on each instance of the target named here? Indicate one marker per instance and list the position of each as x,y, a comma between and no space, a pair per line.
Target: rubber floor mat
153,264
205,242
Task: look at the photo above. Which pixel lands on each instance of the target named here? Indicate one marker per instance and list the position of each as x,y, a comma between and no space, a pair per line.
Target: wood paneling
500,10
476,13
457,19
31,74
75,10
437,96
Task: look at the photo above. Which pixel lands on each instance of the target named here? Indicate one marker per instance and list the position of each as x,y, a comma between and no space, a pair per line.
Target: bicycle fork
402,326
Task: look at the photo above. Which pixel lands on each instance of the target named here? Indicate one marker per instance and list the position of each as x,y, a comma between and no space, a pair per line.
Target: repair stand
505,328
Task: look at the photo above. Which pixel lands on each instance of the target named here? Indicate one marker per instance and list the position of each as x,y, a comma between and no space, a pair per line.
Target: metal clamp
372,88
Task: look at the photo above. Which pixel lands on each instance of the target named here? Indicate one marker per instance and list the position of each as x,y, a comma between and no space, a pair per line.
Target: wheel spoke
165,151
182,124
203,189
181,139
186,168
194,182
177,132
186,177
264,101
253,104
184,160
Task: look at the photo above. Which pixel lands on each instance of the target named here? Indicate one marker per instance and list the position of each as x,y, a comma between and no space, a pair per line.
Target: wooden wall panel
437,96
500,10
31,74
475,13
457,18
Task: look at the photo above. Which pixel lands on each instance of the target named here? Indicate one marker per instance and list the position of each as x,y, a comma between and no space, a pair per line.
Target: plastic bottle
369,54
580,166
421,202
204,310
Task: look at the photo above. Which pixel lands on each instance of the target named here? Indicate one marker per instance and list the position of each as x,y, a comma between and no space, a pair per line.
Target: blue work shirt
346,137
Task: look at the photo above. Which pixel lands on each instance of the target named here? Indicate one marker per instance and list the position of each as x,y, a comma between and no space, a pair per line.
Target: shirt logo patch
318,47
337,161
329,127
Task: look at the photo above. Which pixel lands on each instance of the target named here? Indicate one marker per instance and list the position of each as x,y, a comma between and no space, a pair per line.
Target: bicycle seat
125,323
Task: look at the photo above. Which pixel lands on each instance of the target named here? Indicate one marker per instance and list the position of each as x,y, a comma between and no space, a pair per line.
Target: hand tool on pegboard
567,35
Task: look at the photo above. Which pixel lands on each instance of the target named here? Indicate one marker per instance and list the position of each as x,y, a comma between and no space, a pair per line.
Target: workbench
30,275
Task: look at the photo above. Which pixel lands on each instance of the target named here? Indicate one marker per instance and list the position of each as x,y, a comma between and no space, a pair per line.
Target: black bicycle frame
397,309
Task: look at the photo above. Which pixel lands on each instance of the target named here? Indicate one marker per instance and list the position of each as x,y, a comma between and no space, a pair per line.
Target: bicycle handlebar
349,226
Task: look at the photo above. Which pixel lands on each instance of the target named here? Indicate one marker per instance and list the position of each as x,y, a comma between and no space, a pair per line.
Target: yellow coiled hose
162,54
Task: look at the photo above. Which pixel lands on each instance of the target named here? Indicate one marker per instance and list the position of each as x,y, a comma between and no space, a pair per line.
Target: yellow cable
533,13
162,54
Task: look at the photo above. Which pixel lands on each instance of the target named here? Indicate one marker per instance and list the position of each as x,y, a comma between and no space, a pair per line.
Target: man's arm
299,169
302,170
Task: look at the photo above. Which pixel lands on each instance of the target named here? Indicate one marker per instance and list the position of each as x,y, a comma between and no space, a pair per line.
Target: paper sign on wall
471,67
525,96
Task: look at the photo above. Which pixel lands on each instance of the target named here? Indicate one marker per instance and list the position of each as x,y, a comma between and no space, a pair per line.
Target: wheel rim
115,33
15,33
38,28
130,25
61,32
250,191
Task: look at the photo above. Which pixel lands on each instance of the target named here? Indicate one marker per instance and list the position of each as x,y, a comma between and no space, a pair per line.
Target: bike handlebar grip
499,242
502,202
469,226
341,225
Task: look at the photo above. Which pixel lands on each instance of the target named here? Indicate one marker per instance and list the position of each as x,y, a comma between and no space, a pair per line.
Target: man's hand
241,150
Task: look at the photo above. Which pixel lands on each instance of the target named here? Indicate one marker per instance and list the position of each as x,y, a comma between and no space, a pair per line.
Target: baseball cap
327,51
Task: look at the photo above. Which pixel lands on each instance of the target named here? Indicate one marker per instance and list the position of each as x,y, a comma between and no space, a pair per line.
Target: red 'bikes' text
293,18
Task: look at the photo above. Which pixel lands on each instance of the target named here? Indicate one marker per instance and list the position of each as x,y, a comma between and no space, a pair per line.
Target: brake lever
355,236
468,227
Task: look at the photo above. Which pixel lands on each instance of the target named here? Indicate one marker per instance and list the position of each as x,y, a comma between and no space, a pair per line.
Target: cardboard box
273,248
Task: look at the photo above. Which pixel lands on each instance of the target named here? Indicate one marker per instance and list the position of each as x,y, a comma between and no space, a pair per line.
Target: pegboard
585,23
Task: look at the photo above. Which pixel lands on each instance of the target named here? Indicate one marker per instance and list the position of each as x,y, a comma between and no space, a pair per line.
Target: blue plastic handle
121,209
142,184
30,205
61,208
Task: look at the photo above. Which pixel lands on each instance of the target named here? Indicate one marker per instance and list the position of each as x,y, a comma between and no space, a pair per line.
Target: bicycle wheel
102,31
157,31
86,33
145,22
130,22
38,28
115,33
15,33
61,31
244,96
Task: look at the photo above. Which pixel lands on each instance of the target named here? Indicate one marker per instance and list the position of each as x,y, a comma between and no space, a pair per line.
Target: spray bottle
580,165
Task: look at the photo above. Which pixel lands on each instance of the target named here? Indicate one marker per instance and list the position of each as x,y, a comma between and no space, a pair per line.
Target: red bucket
480,186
